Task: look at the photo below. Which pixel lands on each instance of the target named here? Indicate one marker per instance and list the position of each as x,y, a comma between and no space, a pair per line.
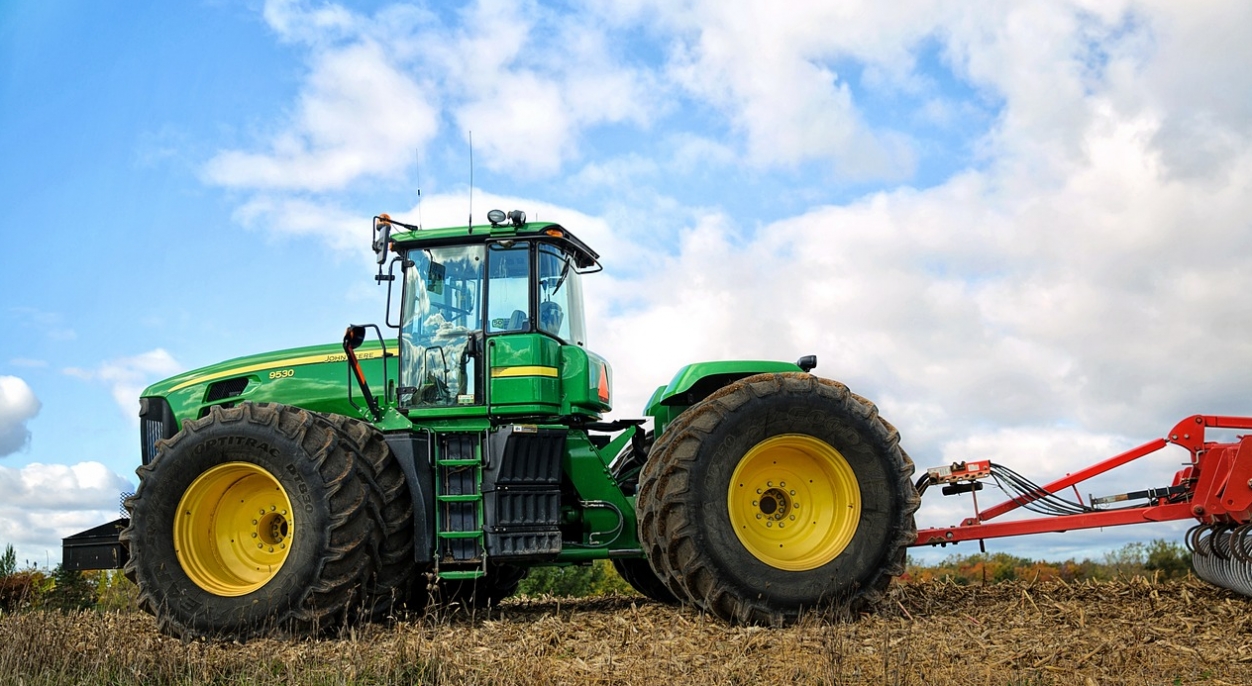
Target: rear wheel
779,494
251,520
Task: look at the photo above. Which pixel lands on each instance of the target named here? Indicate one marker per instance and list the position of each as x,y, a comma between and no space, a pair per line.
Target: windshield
531,287
442,308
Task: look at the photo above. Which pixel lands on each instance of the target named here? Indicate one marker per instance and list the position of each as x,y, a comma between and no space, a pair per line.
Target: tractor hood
313,377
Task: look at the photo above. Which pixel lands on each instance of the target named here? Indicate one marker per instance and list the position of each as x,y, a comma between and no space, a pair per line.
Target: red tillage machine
1214,488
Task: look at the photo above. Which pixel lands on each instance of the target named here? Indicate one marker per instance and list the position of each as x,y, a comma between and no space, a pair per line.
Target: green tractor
281,493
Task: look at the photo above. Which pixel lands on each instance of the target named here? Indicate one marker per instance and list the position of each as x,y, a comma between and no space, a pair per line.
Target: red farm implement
1214,487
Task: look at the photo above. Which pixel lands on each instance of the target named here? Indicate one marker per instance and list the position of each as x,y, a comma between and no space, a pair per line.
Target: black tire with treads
639,574
685,525
501,581
392,511
323,583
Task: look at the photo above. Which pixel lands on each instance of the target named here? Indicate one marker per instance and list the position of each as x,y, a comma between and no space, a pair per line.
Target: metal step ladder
459,515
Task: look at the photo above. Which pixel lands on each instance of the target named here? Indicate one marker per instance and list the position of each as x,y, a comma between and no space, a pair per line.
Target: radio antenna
417,153
471,206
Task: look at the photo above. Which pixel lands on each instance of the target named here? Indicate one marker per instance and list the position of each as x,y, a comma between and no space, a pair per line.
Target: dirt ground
1124,632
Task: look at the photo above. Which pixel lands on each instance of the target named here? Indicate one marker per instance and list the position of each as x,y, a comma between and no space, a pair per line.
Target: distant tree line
1159,559
29,587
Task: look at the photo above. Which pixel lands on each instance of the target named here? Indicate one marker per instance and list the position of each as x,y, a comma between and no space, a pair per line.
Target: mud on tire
852,493
319,584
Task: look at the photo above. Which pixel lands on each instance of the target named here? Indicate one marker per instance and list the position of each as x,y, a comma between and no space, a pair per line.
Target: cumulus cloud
774,71
127,376
45,502
357,116
377,84
18,405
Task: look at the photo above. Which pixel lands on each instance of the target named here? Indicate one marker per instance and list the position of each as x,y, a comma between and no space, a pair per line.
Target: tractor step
463,574
459,499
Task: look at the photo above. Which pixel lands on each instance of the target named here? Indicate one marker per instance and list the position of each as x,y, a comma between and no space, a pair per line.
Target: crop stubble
1132,631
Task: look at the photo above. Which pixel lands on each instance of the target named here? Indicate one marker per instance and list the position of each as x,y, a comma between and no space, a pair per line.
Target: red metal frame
1218,481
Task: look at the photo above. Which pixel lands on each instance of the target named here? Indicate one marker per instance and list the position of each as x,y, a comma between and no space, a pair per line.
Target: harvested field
1124,632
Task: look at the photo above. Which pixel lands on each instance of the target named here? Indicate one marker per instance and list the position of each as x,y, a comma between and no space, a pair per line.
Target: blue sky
1019,228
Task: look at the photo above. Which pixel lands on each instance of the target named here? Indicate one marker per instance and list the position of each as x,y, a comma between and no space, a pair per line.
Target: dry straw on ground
1124,632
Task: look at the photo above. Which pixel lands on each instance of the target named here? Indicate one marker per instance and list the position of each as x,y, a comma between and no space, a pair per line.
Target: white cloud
528,107
45,502
377,85
358,116
771,69
128,376
293,216
18,405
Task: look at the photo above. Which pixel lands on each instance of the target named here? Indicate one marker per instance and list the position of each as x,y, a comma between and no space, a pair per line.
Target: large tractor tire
639,574
255,519
637,571
779,494
501,582
391,509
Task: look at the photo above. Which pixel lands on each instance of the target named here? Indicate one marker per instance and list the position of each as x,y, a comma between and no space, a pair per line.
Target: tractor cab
491,320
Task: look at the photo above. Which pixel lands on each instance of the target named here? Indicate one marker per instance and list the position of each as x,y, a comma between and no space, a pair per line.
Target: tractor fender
697,381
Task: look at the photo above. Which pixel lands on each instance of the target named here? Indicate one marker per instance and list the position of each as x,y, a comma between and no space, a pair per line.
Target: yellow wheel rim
233,529
794,502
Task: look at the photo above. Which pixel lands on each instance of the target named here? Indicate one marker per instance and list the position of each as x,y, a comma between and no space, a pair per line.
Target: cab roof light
498,217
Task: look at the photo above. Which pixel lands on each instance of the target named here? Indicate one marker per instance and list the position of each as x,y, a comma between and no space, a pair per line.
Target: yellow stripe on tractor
277,364
531,370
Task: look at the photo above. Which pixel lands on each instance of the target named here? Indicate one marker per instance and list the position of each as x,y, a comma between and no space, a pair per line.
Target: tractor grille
156,421
226,389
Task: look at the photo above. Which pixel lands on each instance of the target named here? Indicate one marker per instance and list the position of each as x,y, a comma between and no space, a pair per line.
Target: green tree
1168,558
8,561
71,590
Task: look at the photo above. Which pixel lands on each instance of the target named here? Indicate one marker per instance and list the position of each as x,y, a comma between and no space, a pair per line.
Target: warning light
603,389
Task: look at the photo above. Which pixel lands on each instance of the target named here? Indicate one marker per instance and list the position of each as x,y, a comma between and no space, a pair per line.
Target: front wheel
250,520
779,494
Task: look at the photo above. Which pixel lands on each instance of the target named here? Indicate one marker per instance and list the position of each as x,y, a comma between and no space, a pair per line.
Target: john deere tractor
305,490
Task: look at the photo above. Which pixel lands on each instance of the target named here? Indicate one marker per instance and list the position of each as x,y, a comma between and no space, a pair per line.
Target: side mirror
354,337
382,237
